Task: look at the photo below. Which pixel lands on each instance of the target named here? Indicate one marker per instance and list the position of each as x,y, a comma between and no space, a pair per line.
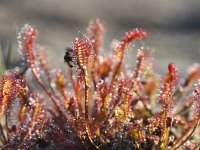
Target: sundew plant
96,102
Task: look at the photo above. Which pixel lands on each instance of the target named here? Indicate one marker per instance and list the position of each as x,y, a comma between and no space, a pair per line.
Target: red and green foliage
98,103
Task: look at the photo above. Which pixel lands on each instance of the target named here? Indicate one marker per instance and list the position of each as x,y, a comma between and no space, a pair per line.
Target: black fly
69,58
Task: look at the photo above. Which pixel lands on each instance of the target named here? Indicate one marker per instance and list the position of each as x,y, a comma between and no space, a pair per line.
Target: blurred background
174,26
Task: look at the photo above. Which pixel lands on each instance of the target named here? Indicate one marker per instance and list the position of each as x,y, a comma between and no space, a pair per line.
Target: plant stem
3,135
45,89
86,96
176,146
6,121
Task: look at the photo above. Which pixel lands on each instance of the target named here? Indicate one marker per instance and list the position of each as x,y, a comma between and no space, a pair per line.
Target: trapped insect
69,58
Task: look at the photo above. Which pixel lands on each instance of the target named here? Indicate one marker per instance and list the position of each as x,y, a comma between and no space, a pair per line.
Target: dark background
174,25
